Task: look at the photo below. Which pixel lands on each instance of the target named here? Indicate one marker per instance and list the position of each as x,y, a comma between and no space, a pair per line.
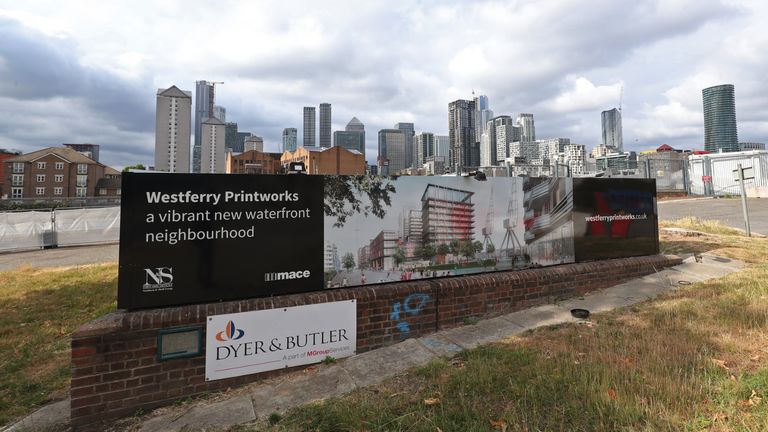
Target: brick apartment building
254,162
56,173
334,160
4,155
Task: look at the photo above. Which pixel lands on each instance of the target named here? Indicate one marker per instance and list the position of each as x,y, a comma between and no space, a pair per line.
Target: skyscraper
409,132
310,120
173,119
424,144
391,158
503,132
325,125
442,146
720,119
204,95
464,150
231,135
527,128
213,149
352,137
240,145
612,134
289,139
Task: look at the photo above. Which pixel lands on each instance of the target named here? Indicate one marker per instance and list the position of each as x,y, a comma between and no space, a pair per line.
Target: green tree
467,249
443,249
344,196
478,245
137,166
490,248
454,247
348,261
399,255
426,252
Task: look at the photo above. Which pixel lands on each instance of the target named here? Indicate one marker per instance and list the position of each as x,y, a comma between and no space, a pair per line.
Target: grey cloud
37,67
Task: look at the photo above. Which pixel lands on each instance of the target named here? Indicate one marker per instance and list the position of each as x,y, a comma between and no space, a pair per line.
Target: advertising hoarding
259,341
189,238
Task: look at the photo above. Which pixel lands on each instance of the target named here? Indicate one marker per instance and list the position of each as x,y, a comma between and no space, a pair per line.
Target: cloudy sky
88,71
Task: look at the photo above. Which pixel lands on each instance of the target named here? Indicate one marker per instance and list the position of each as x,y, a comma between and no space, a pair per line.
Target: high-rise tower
325,125
720,119
173,120
612,134
310,121
289,139
409,132
527,128
204,100
464,152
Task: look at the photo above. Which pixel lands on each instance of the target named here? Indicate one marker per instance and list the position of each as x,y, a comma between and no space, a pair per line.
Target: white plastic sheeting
87,225
32,229
23,230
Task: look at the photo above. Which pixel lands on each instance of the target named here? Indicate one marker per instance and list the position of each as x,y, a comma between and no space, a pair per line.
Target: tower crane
511,246
488,228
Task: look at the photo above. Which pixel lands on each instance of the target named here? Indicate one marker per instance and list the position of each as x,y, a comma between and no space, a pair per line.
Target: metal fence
46,228
671,173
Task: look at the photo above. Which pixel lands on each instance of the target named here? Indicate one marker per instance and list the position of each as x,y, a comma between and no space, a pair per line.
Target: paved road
726,210
64,256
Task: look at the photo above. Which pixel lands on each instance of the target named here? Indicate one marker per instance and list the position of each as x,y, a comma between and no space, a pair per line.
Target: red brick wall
115,370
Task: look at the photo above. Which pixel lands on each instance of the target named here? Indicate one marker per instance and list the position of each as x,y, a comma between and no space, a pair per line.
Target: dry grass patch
693,359
39,310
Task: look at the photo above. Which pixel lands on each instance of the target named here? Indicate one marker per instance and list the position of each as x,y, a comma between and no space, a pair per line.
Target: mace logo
230,333
158,279
288,275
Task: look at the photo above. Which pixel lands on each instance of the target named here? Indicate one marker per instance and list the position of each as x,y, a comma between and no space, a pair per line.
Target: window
40,178
102,191
58,178
58,190
41,165
82,180
39,191
80,192
17,180
17,192
82,168
18,167
59,165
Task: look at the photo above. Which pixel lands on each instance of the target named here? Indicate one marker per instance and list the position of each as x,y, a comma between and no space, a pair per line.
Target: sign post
740,178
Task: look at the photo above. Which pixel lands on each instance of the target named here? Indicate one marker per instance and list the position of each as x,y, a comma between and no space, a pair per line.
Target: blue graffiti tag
412,305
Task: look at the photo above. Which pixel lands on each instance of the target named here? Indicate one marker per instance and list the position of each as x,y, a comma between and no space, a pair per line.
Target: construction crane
511,246
488,228
213,91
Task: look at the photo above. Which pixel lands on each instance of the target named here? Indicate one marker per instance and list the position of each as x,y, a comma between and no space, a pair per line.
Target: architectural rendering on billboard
189,238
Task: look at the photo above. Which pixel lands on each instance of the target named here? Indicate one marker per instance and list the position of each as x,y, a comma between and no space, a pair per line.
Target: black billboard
193,238
190,238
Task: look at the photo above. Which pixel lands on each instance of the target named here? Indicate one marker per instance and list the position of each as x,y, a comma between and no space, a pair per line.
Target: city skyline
65,81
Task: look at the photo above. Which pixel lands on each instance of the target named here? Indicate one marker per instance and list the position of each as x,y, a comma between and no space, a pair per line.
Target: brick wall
115,369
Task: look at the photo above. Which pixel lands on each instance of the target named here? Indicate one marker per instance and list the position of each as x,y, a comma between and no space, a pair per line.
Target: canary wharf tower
720,119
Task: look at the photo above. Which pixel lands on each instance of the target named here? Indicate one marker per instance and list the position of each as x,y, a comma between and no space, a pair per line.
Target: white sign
259,341
749,173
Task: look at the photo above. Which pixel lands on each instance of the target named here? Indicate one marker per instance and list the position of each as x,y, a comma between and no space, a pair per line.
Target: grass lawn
694,359
39,310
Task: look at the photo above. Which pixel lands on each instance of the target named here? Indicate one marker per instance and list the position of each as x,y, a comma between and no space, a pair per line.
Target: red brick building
57,173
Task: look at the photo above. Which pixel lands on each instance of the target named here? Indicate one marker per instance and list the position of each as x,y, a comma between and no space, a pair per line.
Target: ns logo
158,279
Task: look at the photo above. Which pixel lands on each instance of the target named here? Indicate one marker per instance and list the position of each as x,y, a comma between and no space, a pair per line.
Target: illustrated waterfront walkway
257,401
